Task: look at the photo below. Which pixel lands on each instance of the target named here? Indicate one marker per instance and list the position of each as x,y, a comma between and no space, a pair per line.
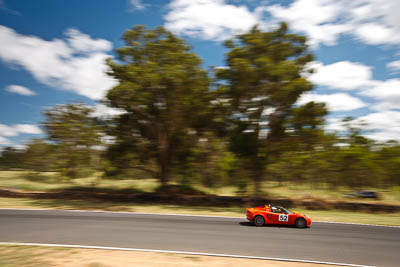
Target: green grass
329,216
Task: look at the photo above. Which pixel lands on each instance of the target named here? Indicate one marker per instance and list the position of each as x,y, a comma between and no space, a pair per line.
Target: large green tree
263,81
76,135
11,157
40,155
164,93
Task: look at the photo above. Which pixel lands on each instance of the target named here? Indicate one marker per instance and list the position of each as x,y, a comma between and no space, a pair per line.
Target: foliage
40,156
76,136
12,158
264,80
164,91
233,127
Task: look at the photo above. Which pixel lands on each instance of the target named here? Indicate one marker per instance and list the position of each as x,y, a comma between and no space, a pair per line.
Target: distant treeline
239,124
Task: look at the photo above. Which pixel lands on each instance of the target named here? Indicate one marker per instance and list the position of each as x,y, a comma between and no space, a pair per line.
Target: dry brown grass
12,256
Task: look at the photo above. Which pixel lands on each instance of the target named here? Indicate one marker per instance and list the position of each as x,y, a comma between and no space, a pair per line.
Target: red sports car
277,215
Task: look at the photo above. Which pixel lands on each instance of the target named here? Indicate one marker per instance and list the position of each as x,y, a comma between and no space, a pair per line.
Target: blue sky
53,51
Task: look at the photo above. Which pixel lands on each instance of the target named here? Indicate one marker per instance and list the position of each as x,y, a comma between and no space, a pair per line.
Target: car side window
276,210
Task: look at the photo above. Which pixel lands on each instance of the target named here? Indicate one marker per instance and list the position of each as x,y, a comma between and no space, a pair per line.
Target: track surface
343,243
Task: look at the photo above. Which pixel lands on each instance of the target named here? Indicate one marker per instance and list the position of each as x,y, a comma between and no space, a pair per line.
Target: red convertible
277,215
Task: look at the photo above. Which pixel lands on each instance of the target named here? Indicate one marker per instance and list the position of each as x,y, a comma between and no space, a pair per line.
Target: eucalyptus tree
76,136
165,95
263,78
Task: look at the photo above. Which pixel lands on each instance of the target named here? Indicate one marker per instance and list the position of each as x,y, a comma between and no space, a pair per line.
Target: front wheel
259,220
300,223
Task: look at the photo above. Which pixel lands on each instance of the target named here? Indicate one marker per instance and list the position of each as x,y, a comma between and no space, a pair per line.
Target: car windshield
281,210
287,211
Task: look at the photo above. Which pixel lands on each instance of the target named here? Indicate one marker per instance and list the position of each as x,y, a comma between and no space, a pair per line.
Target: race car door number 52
283,218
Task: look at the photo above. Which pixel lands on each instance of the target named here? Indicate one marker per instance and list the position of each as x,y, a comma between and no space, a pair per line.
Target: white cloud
383,126
210,19
103,111
346,75
334,102
84,43
386,92
18,129
15,130
20,90
342,75
374,22
76,64
315,18
379,126
394,65
28,129
137,4
4,141
376,34
7,130
335,124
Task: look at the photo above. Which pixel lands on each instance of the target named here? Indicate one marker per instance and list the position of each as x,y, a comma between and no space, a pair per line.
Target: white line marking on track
184,252
185,215
364,224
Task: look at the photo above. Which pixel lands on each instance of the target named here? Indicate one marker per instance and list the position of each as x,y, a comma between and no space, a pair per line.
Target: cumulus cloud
75,64
335,124
20,90
315,18
83,43
394,65
15,130
210,19
374,22
105,112
7,130
346,75
334,102
342,75
27,129
382,126
386,92
4,141
137,4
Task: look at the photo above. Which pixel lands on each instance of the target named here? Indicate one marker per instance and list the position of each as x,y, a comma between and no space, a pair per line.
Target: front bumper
249,216
309,222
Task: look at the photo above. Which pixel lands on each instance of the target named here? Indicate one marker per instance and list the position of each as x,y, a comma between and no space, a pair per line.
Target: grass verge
52,181
13,256
316,215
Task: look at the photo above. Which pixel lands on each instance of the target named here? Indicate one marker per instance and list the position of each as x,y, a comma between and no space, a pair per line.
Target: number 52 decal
283,218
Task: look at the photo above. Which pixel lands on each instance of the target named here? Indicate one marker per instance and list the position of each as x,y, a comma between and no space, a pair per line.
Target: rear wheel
300,223
259,220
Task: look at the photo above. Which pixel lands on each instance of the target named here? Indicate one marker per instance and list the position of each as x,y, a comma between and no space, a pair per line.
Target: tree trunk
163,159
164,170
258,174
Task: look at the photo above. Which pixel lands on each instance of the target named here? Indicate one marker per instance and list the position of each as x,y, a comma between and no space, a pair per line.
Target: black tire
300,223
259,221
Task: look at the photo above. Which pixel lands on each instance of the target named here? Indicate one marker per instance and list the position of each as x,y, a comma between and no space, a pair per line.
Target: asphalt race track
341,243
